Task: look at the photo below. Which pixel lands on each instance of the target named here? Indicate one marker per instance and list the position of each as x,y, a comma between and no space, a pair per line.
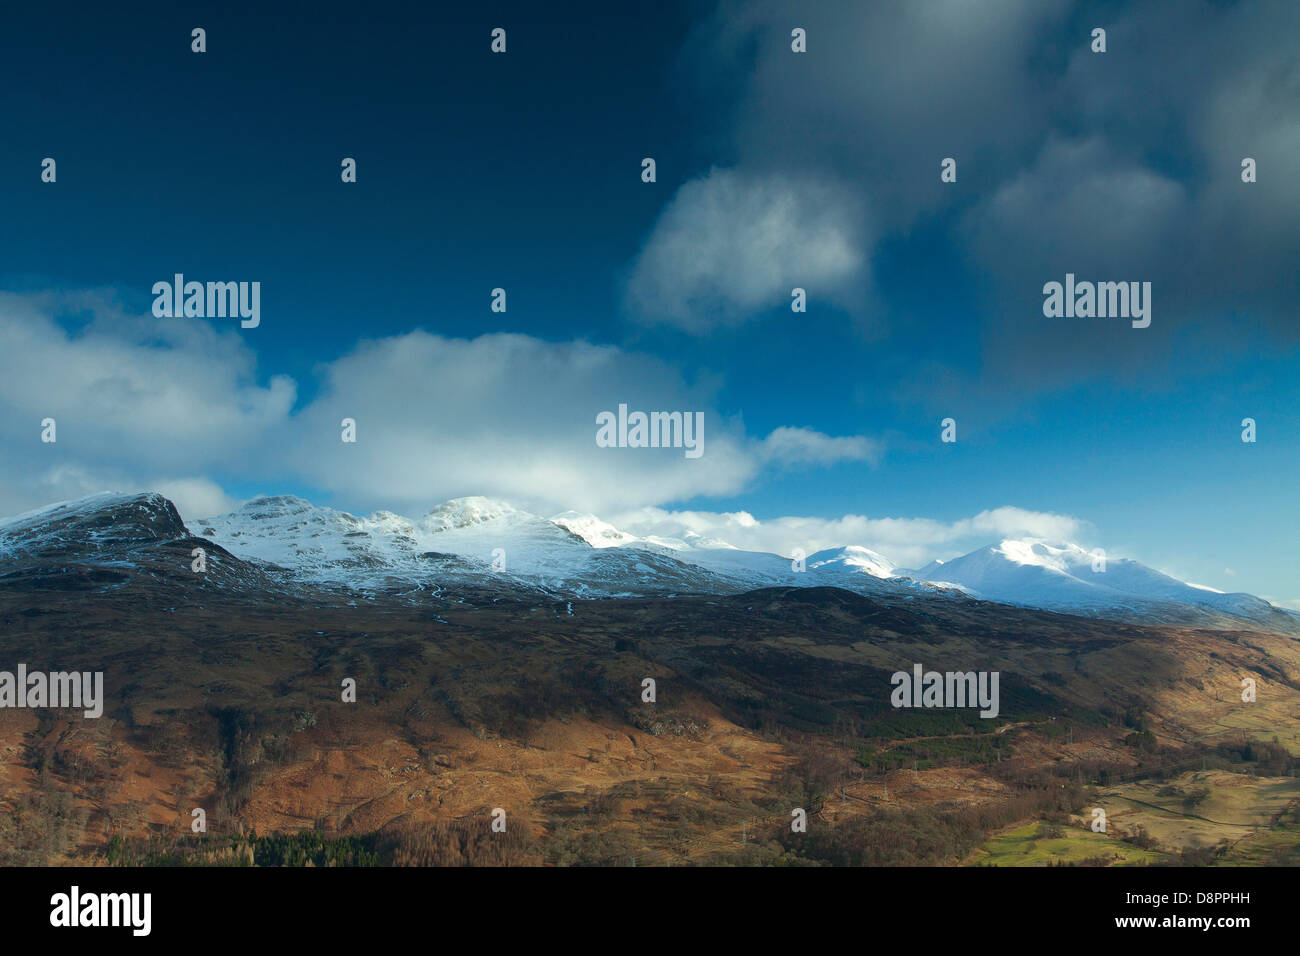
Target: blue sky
775,169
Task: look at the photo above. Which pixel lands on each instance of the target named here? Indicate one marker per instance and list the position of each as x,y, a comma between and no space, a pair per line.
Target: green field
1202,818
1027,846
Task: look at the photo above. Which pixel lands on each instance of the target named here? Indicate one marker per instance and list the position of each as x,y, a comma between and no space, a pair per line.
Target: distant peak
593,530
856,557
285,501
1037,551
271,506
464,512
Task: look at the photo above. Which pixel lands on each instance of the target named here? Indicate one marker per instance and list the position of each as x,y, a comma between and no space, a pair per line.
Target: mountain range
486,546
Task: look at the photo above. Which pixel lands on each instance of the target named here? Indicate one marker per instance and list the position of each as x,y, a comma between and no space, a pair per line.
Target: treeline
925,836
450,843
455,843
1271,759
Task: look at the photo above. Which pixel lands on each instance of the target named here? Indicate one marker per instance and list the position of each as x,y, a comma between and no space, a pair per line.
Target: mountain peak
264,506
856,558
593,530
105,517
1042,553
1063,576
468,511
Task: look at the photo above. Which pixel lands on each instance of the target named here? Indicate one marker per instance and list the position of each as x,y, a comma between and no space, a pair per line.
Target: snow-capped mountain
107,518
1066,577
102,541
839,567
601,534
480,540
854,559
1028,573
597,533
473,540
487,546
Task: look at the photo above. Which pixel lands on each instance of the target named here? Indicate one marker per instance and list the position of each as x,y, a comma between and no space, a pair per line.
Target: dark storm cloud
1117,166
1143,181
886,90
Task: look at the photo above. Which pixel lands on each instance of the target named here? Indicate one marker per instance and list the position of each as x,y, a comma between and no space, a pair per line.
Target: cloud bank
173,405
909,542
1126,164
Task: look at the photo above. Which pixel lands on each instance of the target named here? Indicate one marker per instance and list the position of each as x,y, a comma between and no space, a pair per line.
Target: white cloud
164,404
909,542
169,393
1012,522
196,498
731,244
139,403
803,446
514,417
26,488
503,415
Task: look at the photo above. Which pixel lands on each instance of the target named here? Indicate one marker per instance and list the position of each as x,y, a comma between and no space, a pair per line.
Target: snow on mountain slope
549,555
1061,577
318,544
854,568
104,518
1030,573
756,568
467,540
493,547
103,541
602,534
1024,572
476,527
479,539
597,533
853,559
